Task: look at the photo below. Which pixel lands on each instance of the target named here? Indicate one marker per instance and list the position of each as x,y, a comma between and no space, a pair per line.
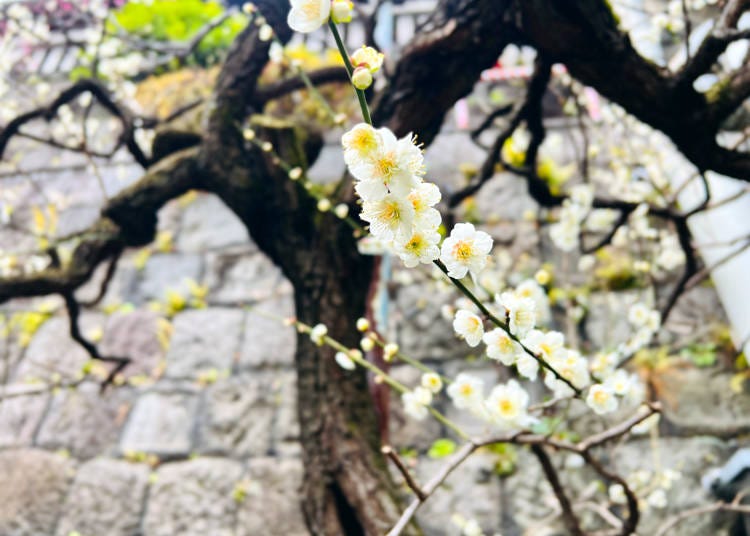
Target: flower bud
341,11
390,350
368,57
265,33
363,324
324,205
341,210
362,78
367,344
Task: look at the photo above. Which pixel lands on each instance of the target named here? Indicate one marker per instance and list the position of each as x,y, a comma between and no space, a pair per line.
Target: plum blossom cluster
399,204
566,231
525,347
651,488
400,207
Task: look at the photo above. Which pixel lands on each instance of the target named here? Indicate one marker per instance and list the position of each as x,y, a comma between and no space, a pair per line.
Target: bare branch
569,518
528,110
326,75
713,45
721,506
102,95
74,312
394,457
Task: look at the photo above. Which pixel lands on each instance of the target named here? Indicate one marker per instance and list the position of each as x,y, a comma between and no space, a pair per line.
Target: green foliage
702,355
546,425
441,448
179,21
506,458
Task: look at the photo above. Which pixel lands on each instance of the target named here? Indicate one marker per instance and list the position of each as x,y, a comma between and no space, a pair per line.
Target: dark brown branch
734,90
74,312
622,219
326,75
713,45
441,65
523,438
396,459
528,110
101,94
720,506
489,121
111,268
569,518
691,267
631,523
128,220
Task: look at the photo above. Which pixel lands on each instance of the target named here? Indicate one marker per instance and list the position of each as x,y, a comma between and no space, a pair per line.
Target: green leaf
702,355
441,448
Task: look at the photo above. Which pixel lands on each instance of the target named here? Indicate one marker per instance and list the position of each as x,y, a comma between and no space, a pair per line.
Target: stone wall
201,439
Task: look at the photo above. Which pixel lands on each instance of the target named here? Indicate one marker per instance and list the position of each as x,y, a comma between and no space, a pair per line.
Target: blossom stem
502,325
411,361
438,263
390,381
350,70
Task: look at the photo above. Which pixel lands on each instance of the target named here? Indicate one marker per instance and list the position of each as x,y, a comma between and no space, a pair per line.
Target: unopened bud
362,78
341,11
324,205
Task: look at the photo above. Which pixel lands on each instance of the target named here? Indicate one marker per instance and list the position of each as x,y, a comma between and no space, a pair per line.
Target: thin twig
394,457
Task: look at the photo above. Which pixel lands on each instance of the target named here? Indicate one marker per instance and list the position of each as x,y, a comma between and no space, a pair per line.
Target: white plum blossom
397,203
646,319
565,232
423,197
533,290
420,247
657,499
360,144
507,405
601,399
416,402
395,166
368,57
548,345
582,195
616,494
620,382
671,254
466,391
528,367
601,220
432,382
603,364
389,217
521,313
308,15
501,347
469,326
465,250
